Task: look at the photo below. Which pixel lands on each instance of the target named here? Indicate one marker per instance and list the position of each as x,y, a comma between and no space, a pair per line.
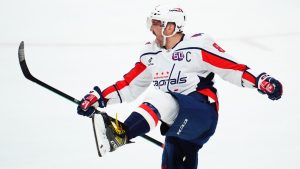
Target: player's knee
165,104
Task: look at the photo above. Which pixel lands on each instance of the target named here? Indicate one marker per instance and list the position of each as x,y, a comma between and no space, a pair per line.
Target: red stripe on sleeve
249,77
131,75
221,62
151,112
128,78
108,90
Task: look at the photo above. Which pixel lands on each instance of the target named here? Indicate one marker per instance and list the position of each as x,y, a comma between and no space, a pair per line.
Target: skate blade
102,142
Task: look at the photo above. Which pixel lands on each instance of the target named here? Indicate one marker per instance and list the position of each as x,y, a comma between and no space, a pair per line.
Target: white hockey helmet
168,13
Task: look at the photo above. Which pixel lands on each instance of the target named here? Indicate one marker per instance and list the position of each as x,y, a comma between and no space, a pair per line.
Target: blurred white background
74,45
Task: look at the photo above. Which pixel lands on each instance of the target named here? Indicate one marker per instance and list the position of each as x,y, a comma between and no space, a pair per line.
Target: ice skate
109,133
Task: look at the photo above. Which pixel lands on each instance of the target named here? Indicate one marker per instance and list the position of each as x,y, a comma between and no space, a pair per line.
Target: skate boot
109,133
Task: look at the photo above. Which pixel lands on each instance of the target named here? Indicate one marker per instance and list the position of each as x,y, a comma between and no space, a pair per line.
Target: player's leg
196,121
195,124
171,155
157,105
179,154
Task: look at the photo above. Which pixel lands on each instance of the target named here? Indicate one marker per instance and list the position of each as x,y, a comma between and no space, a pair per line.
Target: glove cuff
260,78
259,82
101,100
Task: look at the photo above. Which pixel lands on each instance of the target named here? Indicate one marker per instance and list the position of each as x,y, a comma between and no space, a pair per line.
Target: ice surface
74,45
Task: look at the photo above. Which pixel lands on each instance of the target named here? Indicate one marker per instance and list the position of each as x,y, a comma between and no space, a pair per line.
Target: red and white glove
268,85
91,102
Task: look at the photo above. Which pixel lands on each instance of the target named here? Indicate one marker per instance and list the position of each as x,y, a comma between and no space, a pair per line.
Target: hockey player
182,70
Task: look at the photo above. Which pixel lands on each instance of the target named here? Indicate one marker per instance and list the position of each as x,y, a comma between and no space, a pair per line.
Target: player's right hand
270,86
90,102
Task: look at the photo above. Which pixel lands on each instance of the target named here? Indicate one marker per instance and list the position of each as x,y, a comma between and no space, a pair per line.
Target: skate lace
118,127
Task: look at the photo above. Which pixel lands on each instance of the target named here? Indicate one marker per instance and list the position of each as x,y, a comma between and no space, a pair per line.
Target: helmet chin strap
166,36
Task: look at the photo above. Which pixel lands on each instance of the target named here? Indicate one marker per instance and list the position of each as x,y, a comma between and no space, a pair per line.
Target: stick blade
24,68
21,52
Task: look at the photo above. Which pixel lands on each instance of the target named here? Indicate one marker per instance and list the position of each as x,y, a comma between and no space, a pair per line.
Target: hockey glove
268,85
91,102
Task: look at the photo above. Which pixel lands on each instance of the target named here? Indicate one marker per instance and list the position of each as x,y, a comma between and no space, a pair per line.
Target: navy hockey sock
136,125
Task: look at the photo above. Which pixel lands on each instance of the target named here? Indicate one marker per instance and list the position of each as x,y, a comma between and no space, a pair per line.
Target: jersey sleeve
133,84
217,60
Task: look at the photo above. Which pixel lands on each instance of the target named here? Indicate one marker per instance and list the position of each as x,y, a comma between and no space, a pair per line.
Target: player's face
156,28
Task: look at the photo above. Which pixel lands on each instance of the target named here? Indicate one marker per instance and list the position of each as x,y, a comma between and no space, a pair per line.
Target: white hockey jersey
187,67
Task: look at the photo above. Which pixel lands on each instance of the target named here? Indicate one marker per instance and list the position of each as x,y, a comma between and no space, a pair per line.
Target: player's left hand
90,102
268,85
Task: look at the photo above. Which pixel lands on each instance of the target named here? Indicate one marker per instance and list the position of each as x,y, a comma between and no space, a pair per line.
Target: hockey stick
29,76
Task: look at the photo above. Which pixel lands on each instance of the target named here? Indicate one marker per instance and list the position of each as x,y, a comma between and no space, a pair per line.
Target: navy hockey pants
195,124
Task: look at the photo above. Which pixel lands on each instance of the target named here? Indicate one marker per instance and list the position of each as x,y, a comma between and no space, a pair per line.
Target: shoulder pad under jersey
149,49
